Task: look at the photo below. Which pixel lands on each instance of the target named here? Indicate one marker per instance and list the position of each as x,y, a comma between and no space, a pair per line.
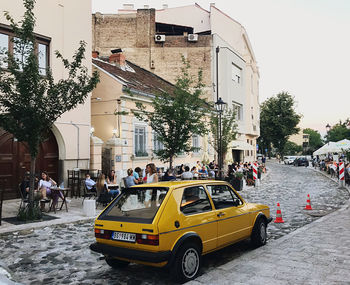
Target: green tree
291,148
30,102
278,120
178,116
228,129
339,132
315,141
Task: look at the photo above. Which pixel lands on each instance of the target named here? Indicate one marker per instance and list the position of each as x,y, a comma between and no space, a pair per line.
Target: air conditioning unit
159,38
192,37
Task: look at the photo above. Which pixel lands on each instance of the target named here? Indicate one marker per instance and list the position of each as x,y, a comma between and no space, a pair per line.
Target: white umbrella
340,146
324,149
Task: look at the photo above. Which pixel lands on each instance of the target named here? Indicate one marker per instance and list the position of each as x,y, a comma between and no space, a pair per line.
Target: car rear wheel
187,262
259,234
116,263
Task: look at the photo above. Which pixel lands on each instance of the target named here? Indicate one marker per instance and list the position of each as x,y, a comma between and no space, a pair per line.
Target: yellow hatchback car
175,223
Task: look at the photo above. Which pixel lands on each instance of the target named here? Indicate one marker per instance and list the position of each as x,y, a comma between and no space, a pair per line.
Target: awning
241,145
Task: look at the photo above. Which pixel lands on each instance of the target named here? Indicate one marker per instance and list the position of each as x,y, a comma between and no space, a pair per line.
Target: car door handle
221,214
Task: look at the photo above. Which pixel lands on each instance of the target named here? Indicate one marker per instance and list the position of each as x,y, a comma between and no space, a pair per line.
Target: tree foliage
30,102
176,117
315,140
278,120
228,129
291,148
339,132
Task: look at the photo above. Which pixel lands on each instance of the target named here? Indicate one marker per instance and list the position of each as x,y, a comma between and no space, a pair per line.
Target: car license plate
124,236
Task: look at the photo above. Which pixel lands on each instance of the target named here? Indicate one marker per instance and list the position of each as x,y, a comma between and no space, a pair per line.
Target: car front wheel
187,263
259,234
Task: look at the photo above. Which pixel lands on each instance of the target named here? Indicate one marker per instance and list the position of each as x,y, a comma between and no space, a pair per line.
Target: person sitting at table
112,178
137,174
203,172
111,192
194,172
169,175
187,174
89,183
25,184
130,180
44,187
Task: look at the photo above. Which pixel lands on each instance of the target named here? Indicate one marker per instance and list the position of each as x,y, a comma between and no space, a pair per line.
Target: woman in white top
45,184
152,177
151,173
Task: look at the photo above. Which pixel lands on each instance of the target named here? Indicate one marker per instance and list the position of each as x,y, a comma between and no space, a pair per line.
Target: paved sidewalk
74,214
318,253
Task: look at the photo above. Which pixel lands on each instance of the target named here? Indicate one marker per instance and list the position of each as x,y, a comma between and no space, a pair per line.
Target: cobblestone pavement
60,255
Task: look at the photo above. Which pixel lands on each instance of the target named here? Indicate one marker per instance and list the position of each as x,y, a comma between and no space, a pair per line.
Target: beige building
156,39
300,139
60,25
128,142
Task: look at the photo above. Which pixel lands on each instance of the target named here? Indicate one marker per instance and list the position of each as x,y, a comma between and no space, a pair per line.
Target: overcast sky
301,46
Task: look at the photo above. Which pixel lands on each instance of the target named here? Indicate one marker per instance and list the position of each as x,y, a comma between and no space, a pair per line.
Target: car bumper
132,254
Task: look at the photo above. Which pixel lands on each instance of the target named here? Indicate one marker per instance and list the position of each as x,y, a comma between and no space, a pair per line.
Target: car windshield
138,205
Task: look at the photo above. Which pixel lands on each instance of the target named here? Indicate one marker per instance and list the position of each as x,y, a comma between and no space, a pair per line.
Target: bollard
255,173
341,175
89,208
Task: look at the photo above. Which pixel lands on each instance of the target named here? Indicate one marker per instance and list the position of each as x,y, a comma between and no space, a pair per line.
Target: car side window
223,196
195,201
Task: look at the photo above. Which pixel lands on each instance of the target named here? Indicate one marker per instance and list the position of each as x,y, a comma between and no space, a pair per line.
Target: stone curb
37,225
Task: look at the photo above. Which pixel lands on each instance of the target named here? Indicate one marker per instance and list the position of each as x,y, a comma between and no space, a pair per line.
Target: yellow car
175,223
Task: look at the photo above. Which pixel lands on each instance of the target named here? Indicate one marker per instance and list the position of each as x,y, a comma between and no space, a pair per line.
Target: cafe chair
88,193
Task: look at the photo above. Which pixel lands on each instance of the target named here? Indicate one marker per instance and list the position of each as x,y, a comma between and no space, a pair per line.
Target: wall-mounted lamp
92,130
114,132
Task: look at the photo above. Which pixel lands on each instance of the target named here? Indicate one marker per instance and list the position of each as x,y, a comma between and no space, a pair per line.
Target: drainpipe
78,134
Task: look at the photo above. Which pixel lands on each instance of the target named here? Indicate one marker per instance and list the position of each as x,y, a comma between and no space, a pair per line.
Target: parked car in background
301,161
289,159
259,156
175,223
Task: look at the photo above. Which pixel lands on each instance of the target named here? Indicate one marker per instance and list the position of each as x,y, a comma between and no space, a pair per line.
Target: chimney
128,6
165,6
212,4
146,6
118,58
95,54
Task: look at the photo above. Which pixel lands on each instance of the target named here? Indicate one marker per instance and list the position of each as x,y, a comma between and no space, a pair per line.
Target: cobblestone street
61,254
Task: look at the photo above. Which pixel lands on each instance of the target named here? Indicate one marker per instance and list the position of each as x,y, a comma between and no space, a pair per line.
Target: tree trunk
32,180
171,162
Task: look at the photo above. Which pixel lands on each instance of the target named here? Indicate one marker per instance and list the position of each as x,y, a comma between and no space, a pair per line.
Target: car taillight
106,234
147,239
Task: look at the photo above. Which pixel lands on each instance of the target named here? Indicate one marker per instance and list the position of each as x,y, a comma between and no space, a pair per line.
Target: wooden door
15,160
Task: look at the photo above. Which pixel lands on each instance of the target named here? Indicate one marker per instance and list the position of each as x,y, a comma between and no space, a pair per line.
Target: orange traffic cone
308,203
278,215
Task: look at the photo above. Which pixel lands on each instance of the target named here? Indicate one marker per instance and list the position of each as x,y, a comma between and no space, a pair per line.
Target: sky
301,46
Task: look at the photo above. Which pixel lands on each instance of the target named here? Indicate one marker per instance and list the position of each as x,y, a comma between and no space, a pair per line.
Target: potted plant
237,181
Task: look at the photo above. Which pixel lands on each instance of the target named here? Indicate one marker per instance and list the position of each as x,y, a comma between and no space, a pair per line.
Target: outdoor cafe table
112,186
55,192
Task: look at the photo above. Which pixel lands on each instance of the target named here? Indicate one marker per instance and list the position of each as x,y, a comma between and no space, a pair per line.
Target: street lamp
328,128
220,107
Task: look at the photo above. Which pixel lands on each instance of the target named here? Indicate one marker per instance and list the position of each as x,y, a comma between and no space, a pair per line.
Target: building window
10,44
4,46
157,145
236,74
305,136
140,141
238,110
195,143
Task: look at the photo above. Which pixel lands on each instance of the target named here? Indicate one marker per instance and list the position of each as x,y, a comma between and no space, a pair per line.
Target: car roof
179,183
